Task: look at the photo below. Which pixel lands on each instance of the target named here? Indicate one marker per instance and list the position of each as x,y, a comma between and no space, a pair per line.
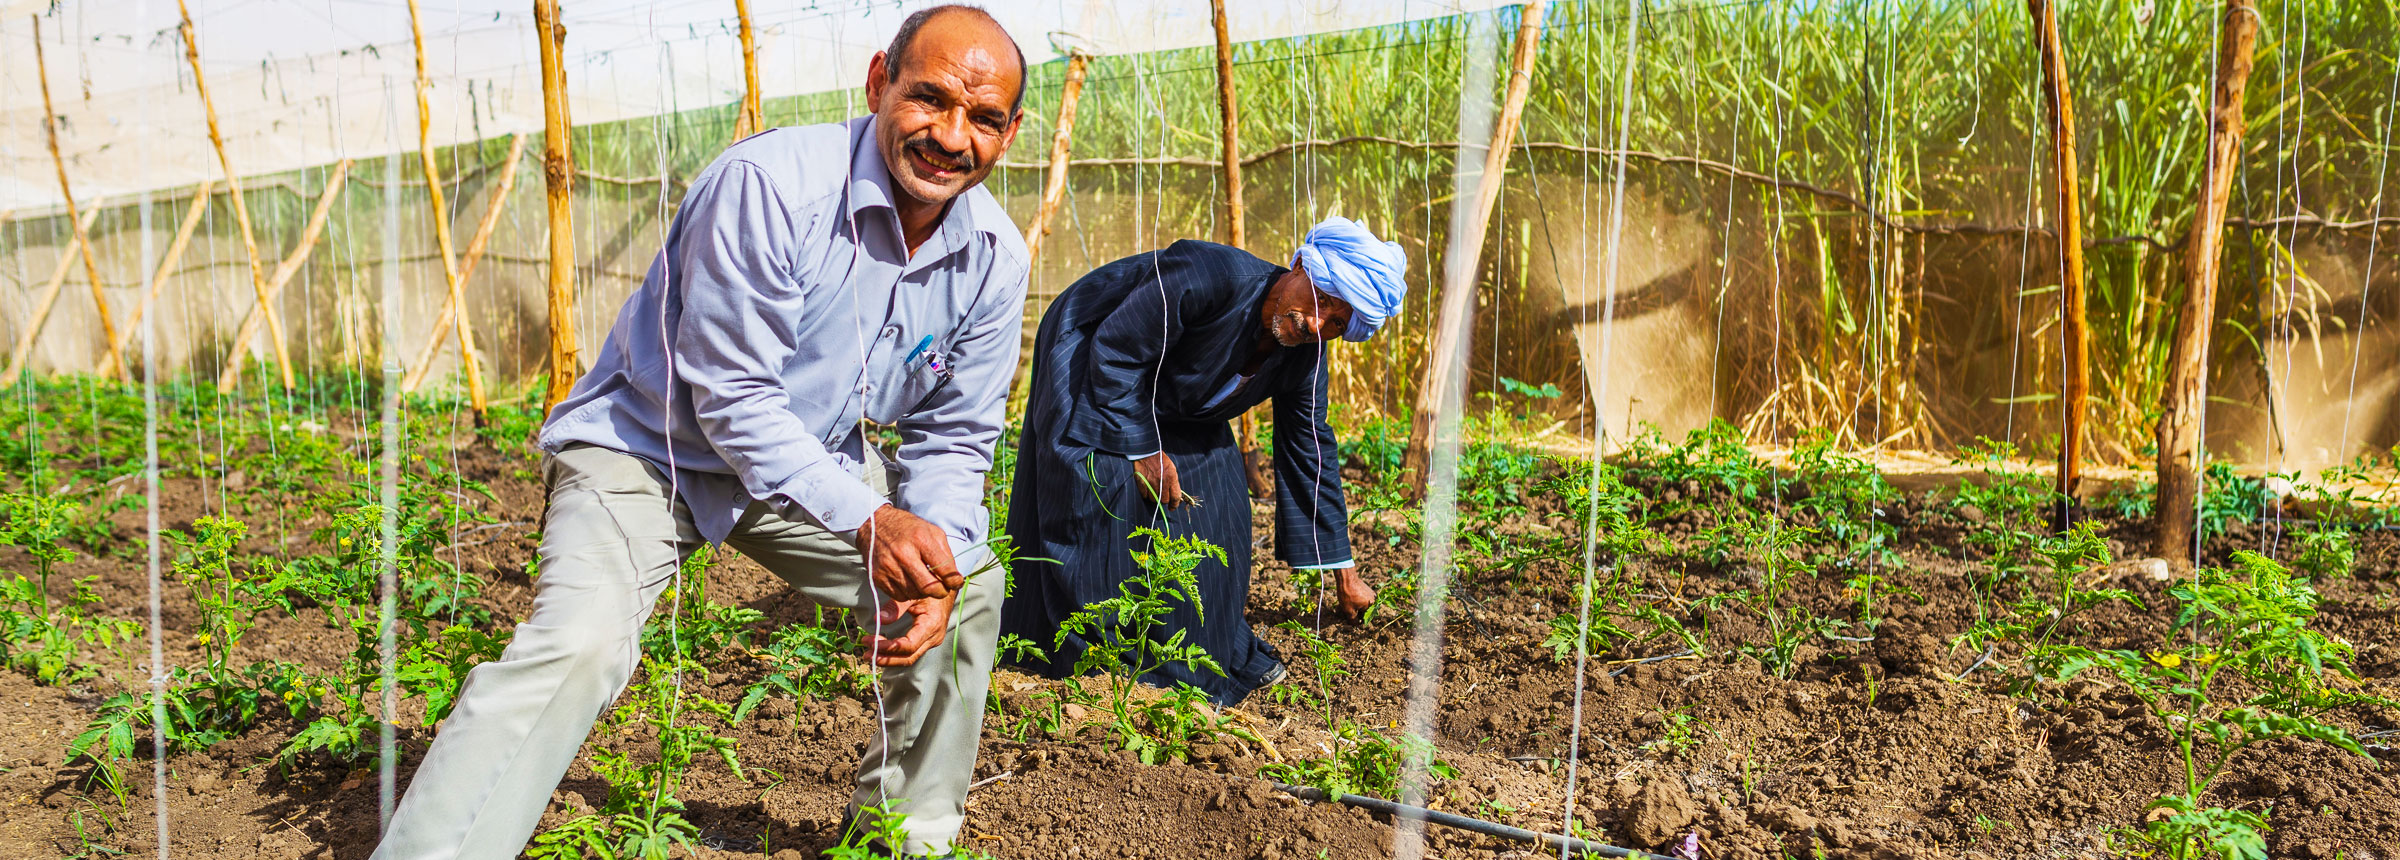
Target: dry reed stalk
42,306
2184,399
462,327
1434,378
1054,187
114,364
241,214
314,229
1229,123
558,178
466,266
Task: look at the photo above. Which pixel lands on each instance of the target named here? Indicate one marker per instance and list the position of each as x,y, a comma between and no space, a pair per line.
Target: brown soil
1877,749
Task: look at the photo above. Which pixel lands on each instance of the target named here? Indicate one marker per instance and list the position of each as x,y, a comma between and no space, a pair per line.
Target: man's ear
878,80
1010,138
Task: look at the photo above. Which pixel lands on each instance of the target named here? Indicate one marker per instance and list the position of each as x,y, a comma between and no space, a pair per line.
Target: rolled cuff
1331,565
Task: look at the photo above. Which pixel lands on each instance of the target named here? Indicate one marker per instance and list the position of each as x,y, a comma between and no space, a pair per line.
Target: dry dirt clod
1661,812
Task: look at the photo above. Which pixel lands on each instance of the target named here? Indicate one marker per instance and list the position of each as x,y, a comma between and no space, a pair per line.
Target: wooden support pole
461,326
241,211
1229,121
114,364
1062,136
2185,396
1254,463
1458,291
2075,356
752,120
466,267
49,299
232,372
166,264
558,178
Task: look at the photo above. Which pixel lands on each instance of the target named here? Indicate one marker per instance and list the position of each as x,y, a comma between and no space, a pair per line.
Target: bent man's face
944,123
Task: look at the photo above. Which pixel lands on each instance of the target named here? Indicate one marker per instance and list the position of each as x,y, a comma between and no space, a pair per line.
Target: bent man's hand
1157,474
1353,593
907,557
931,626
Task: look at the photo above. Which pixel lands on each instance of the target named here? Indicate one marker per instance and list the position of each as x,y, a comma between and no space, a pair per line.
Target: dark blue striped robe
1173,328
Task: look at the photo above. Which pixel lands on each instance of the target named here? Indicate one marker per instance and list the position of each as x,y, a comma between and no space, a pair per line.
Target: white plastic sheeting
303,82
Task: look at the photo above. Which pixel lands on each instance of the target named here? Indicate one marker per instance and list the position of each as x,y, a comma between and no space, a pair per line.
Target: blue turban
1345,260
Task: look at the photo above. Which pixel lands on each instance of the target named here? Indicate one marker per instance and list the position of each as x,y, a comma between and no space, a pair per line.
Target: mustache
936,153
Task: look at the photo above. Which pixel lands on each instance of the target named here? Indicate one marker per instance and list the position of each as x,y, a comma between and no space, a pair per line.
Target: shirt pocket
910,385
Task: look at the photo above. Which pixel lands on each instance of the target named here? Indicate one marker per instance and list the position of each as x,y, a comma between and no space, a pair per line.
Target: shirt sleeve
732,252
946,446
1118,414
1312,518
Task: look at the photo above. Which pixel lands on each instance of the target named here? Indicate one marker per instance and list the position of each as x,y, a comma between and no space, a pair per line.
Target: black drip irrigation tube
1487,828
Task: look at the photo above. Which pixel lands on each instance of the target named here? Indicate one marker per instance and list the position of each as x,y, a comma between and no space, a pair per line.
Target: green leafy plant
2244,629
1363,761
642,818
36,637
2004,511
805,661
2325,552
2035,619
1120,635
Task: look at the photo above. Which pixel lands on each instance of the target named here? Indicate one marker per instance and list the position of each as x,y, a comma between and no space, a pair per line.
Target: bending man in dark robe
1139,368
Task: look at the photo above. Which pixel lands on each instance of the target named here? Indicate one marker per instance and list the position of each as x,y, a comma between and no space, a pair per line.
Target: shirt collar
871,187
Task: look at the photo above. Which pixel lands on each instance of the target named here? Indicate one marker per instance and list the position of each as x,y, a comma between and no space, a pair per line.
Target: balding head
946,98
971,17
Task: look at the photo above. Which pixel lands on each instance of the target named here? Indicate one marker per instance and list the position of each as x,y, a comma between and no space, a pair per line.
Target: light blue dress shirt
783,310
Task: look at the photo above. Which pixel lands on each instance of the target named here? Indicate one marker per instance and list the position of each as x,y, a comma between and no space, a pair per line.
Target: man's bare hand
1353,593
931,626
908,558
1157,474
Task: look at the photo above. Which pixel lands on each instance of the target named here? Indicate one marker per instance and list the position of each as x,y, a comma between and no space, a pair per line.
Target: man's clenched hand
930,627
908,558
1159,481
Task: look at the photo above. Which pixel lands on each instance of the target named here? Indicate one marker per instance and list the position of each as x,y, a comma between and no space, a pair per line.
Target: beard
1287,329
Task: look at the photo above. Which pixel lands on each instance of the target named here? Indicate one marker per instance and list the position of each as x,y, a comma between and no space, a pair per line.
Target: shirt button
891,331
866,388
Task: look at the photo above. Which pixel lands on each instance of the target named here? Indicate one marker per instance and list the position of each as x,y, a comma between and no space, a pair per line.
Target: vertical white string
150,487
1608,316
387,551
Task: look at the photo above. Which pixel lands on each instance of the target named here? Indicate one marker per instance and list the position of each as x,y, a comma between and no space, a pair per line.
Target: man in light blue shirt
815,278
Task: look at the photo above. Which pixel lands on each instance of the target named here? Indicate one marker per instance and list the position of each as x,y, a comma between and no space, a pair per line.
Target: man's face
943,123
1298,313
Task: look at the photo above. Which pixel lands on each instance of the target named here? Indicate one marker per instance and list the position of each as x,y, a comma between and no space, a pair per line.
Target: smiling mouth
937,164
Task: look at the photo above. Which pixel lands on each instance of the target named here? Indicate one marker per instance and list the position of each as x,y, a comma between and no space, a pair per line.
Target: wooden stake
232,372
1458,293
166,264
1245,437
1229,122
753,120
2185,397
42,306
558,178
466,267
1055,187
241,210
441,224
2076,355
114,364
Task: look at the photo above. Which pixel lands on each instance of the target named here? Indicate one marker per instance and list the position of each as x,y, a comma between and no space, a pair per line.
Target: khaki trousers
611,542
